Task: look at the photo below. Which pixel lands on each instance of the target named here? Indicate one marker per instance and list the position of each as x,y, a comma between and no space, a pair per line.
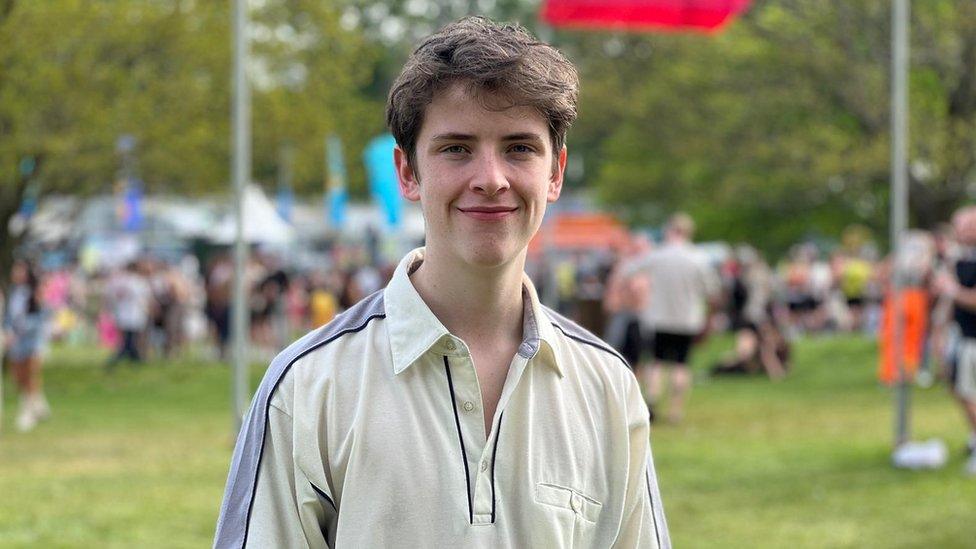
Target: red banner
701,15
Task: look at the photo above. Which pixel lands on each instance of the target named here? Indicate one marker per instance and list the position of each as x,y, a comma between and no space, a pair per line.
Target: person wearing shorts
671,349
25,332
683,286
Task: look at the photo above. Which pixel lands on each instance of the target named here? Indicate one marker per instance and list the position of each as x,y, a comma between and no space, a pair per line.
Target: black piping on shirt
650,497
590,343
323,495
494,452
250,505
464,455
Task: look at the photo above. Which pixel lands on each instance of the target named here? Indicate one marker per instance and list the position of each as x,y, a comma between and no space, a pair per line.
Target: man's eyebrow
528,136
457,136
453,136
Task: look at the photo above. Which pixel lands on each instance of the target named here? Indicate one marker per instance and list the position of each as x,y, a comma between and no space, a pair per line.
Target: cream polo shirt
369,433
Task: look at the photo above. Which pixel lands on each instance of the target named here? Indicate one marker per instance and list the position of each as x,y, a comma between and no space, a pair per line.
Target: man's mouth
489,213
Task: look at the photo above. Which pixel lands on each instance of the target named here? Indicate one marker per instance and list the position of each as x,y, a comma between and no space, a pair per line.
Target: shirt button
468,406
576,503
450,345
484,466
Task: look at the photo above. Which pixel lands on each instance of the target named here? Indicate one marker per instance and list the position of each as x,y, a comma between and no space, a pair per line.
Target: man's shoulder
685,251
345,325
580,339
671,254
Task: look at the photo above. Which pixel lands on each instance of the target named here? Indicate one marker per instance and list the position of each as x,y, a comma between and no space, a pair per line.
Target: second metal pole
899,202
241,174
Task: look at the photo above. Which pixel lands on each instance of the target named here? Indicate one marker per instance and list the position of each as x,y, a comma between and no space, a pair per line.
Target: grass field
139,458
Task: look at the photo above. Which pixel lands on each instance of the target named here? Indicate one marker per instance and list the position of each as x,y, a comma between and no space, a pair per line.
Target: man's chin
491,257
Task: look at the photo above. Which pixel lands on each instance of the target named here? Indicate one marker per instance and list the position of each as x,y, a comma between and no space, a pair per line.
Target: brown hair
503,60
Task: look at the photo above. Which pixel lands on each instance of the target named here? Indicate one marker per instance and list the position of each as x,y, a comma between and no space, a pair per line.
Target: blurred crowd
179,308
150,308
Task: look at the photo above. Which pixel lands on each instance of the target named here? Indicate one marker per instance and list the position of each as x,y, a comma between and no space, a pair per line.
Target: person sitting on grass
760,345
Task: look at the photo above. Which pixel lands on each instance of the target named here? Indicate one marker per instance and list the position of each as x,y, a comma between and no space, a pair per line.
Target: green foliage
771,131
78,75
778,128
309,73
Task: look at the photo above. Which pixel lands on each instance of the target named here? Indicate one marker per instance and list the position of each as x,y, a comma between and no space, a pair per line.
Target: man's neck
474,303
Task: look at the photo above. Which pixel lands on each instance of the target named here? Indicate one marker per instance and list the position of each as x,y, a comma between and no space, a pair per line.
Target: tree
311,75
77,75
780,126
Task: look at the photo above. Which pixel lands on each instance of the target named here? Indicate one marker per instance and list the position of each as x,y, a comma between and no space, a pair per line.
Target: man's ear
406,176
556,179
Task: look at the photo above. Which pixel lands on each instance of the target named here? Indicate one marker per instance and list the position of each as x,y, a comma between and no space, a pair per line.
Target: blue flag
132,205
285,202
381,172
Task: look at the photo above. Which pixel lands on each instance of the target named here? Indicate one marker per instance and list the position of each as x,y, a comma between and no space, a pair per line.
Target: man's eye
454,149
523,149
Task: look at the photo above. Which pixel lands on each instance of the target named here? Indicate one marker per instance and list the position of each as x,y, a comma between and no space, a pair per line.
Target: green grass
139,458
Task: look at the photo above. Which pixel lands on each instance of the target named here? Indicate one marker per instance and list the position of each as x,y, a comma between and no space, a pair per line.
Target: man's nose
489,178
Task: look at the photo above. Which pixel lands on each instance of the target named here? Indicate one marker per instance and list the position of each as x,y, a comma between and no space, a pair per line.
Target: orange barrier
579,231
915,307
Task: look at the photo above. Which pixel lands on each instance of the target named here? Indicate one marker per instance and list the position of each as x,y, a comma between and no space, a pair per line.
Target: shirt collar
414,330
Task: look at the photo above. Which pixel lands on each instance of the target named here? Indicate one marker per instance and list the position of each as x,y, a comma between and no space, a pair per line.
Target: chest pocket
585,508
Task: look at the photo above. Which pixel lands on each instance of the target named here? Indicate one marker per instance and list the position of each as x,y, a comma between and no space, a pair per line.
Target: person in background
958,284
911,272
181,289
796,278
943,332
624,299
130,295
854,276
759,343
161,307
25,329
684,289
219,288
322,303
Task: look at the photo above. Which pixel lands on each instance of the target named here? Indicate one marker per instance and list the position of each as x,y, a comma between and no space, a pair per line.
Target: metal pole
899,200
241,174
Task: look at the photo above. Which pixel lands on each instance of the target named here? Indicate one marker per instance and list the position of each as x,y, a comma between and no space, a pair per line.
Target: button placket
467,392
483,495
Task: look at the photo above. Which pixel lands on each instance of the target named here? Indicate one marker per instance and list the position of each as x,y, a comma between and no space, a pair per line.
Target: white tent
262,224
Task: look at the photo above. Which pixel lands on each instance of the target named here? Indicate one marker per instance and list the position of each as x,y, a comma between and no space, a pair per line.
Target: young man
451,409
683,288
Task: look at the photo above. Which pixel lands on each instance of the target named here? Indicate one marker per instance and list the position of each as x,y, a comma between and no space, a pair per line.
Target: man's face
483,178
